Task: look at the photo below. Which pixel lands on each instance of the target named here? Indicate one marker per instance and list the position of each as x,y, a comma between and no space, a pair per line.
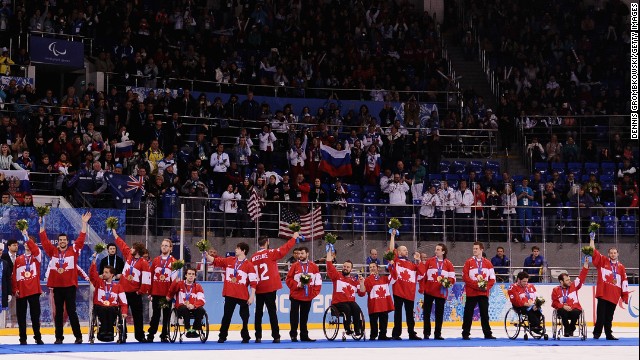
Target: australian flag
126,190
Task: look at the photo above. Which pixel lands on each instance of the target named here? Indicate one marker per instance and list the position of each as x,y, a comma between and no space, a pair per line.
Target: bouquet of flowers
177,265
389,255
164,303
22,224
112,222
394,223
203,245
539,301
294,226
43,210
587,250
305,279
330,238
445,282
482,283
99,247
593,227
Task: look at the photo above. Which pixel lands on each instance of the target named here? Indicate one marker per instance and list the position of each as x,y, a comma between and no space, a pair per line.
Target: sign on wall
57,52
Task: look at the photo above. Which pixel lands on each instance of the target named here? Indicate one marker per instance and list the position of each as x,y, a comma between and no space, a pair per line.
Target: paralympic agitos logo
56,52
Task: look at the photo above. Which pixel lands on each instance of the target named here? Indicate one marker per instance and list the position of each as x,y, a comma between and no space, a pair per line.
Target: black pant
299,310
155,318
134,301
428,303
351,311
186,315
604,317
229,307
65,297
34,308
534,317
381,318
397,316
268,299
107,316
469,306
569,319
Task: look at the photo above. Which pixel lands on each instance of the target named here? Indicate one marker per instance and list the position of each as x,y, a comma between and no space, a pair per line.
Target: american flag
306,221
255,211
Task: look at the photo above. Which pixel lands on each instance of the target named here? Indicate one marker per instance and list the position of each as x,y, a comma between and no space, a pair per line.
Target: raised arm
48,248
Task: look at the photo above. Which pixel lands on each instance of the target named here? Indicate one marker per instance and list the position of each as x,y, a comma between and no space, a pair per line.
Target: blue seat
435,183
453,184
536,208
370,200
476,168
459,163
435,177
444,169
556,166
446,163
475,163
370,188
417,201
517,179
460,170
355,194
591,168
383,201
452,177
595,219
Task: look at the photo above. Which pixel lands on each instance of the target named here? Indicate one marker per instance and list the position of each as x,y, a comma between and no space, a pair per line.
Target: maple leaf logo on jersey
405,276
63,266
348,290
240,278
610,279
381,292
158,275
22,274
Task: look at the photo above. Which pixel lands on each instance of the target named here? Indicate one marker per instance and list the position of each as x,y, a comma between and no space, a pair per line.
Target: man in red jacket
189,297
478,277
108,299
135,281
27,290
63,277
437,268
379,302
266,264
161,278
612,286
523,298
301,295
344,289
240,274
404,289
564,299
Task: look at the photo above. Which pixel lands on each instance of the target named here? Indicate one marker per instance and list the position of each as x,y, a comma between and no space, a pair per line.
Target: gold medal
130,277
234,280
161,277
60,271
27,274
106,303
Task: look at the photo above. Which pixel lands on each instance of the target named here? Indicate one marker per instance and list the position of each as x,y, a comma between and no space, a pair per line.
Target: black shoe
245,341
426,337
294,339
611,337
396,338
39,342
276,341
384,338
415,337
166,340
258,341
149,338
596,336
567,334
372,337
78,341
438,338
23,342
490,337
143,340
465,337
58,342
220,341
306,339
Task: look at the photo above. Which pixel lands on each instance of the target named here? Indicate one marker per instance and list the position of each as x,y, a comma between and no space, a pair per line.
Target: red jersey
379,299
293,279
265,262
612,279
136,276
238,277
435,269
406,273
62,266
107,294
520,295
161,275
26,272
182,293
561,296
344,287
470,272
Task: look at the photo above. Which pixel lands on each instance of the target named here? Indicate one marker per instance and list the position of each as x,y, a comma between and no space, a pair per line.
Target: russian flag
335,163
124,149
22,175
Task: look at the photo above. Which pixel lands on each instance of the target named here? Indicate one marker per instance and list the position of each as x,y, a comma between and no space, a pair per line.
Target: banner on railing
20,81
53,51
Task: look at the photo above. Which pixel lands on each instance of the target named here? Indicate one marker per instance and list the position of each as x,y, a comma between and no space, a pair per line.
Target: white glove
9,298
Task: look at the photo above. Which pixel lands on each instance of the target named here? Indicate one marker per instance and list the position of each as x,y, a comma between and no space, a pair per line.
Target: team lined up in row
257,279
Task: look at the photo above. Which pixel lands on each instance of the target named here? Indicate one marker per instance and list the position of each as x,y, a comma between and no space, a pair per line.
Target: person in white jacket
509,201
447,197
267,142
297,156
397,191
428,221
229,206
463,201
219,163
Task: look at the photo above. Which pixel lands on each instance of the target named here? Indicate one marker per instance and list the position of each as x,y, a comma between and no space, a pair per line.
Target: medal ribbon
163,264
305,270
107,291
27,261
440,264
614,271
132,265
61,259
479,265
115,259
526,291
187,295
237,266
565,295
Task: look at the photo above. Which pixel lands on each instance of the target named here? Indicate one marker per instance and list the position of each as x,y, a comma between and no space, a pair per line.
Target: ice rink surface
452,348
